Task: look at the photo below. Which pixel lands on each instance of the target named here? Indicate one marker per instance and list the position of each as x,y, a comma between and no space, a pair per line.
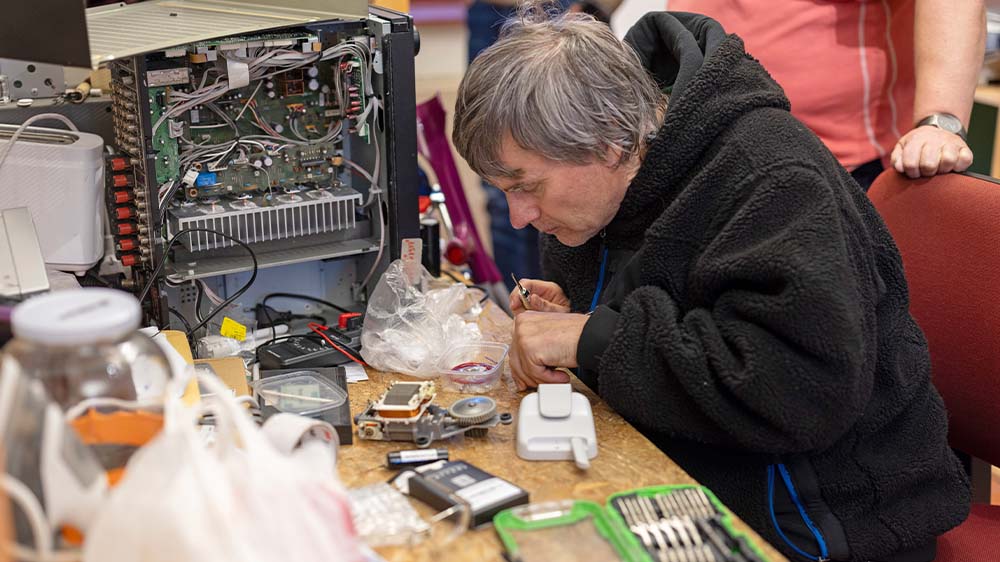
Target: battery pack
444,484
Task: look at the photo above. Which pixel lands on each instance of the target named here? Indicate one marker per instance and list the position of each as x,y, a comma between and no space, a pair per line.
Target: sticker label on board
412,249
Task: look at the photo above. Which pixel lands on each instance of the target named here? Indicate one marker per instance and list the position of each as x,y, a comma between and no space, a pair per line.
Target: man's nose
522,210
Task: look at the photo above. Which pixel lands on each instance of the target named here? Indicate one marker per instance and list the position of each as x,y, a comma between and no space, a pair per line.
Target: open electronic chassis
299,142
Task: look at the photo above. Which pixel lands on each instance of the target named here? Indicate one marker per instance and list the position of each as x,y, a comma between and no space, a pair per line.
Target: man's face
573,202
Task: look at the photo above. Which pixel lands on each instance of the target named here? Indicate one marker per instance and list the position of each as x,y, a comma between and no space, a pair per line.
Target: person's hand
544,341
545,297
928,150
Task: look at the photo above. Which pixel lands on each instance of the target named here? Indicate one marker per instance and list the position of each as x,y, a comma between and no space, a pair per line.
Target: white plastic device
59,176
556,423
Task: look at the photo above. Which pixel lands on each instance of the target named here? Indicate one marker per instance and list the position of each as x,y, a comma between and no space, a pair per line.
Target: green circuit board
166,148
299,104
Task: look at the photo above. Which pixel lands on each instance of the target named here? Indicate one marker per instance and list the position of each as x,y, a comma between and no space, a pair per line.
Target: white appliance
59,176
556,423
22,269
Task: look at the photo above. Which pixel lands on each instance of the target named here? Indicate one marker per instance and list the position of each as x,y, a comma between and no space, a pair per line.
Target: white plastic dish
302,392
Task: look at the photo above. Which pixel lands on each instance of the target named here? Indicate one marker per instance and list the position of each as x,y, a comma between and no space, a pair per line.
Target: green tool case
658,523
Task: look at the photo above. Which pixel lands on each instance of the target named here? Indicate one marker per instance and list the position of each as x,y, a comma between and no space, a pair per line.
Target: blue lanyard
600,281
824,552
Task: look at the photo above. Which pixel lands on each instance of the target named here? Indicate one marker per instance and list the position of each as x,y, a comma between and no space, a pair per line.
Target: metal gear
477,432
473,410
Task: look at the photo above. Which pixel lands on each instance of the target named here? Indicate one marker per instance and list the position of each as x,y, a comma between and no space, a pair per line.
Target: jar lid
77,316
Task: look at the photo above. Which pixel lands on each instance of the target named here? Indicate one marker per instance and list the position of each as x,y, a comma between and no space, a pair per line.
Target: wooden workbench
625,460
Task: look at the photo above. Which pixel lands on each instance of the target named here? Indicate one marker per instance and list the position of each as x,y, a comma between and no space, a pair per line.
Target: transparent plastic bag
409,323
239,499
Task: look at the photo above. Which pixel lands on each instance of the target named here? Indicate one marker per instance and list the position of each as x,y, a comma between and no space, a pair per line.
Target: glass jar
84,347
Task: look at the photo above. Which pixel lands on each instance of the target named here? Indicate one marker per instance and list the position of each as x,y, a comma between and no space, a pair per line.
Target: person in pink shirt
881,82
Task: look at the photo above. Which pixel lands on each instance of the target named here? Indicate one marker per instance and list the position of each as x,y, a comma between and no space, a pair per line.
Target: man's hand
545,297
928,150
542,342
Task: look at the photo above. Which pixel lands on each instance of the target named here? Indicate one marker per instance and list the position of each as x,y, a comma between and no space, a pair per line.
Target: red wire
319,329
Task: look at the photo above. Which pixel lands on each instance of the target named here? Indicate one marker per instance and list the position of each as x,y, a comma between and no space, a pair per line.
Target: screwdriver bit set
682,524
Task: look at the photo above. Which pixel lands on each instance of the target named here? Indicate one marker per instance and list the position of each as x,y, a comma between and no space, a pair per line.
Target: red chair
948,231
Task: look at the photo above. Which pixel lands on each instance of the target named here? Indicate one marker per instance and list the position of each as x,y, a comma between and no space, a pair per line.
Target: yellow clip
233,329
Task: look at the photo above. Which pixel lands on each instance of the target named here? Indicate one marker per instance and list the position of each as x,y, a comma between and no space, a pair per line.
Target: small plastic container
305,393
473,368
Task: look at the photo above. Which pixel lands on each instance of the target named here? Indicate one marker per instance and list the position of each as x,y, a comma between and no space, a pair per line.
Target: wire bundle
263,66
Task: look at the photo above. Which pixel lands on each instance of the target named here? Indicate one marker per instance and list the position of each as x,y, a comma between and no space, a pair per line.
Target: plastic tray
300,392
472,368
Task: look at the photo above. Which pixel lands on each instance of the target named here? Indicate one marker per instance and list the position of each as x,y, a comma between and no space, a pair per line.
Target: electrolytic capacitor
119,180
122,213
416,457
122,197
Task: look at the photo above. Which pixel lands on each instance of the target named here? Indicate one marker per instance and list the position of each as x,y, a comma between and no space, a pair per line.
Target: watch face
949,123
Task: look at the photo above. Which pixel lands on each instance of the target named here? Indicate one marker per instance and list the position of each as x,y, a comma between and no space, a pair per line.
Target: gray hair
562,86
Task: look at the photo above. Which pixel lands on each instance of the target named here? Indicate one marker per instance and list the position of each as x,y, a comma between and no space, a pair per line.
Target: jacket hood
712,82
673,45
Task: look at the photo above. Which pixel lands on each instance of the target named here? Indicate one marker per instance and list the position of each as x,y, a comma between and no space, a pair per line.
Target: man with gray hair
718,278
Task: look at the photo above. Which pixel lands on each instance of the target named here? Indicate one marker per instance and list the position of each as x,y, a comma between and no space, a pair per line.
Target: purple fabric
435,148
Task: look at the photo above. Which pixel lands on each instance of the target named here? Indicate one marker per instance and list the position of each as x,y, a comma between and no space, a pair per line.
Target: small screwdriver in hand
521,292
524,294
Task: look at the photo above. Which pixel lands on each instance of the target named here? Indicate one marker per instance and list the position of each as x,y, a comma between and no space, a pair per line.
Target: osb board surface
625,460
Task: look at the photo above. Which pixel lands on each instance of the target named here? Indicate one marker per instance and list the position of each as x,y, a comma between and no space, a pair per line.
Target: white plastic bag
408,325
239,500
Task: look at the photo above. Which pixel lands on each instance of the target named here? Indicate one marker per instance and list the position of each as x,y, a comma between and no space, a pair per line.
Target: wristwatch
945,121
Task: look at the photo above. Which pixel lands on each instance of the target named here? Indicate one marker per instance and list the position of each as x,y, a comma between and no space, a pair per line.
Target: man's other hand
928,150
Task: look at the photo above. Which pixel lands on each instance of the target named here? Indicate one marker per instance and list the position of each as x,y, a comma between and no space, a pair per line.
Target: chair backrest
948,231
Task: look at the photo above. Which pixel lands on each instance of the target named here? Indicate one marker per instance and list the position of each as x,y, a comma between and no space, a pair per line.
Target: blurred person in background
881,82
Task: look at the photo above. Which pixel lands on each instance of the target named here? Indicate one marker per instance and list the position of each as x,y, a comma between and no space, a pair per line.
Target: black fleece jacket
756,314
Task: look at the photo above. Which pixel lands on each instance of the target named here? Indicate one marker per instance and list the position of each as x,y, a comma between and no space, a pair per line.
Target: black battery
415,457
438,484
430,233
